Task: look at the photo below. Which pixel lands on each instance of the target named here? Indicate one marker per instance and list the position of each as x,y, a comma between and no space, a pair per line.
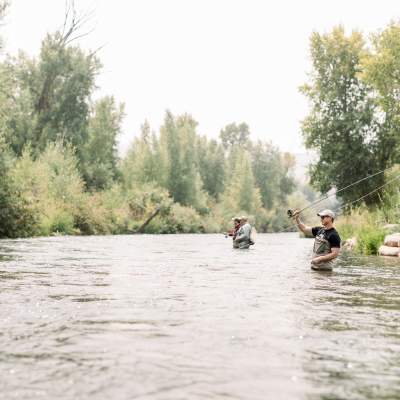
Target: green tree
175,170
52,185
381,70
241,194
234,134
342,124
17,216
211,165
145,162
100,151
178,136
271,172
169,161
191,181
51,94
286,180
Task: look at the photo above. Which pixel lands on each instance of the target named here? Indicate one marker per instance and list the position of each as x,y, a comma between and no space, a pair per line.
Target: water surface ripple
188,317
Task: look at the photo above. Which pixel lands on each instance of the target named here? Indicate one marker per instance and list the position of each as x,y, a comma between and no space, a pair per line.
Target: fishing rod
373,191
290,212
346,204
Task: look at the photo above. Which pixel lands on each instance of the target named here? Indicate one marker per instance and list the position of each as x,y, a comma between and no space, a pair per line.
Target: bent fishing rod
290,211
366,195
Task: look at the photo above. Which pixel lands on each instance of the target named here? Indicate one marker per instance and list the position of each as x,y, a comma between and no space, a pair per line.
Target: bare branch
78,37
67,11
73,22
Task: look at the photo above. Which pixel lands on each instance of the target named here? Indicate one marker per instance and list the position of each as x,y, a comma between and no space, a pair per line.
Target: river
188,317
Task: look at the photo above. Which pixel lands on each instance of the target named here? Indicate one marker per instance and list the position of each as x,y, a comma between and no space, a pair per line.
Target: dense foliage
355,114
354,125
61,172
214,180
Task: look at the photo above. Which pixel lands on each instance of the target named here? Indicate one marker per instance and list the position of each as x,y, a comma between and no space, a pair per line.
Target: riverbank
366,232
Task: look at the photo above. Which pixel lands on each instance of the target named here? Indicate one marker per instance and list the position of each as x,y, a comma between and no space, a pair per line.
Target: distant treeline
60,171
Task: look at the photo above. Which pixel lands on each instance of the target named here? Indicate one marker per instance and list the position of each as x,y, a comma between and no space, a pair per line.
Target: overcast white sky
220,60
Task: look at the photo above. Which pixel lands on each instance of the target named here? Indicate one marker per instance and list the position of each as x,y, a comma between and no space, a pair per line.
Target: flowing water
187,317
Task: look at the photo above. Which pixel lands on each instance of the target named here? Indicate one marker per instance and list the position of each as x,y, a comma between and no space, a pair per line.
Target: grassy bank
367,227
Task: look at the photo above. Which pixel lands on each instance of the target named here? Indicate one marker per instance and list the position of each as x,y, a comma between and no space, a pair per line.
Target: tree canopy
353,118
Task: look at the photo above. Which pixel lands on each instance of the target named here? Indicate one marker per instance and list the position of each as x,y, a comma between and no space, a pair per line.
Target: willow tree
342,125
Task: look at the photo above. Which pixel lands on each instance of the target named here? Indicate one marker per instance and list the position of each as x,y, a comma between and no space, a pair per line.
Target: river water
188,317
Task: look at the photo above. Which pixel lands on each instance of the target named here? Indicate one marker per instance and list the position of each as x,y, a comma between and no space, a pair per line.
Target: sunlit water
188,317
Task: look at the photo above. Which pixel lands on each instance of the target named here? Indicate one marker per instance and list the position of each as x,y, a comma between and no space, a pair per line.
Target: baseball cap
326,213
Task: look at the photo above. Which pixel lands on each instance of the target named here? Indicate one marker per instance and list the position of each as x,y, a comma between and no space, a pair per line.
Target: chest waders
243,242
244,245
321,247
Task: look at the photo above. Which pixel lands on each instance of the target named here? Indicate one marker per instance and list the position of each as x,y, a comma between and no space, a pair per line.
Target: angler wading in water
243,240
327,240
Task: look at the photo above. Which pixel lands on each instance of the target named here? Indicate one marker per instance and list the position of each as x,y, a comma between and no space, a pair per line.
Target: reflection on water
187,317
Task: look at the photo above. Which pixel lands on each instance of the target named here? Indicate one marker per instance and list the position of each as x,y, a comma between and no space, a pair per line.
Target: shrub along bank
367,228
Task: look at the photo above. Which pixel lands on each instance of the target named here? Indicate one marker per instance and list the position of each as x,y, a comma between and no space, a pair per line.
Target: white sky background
222,61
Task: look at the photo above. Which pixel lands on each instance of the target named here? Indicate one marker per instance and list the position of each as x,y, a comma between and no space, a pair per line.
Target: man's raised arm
304,228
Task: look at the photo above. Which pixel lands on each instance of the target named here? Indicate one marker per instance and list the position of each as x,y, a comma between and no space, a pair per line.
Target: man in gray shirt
242,239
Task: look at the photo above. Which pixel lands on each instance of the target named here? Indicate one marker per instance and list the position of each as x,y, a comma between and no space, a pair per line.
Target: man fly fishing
327,240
